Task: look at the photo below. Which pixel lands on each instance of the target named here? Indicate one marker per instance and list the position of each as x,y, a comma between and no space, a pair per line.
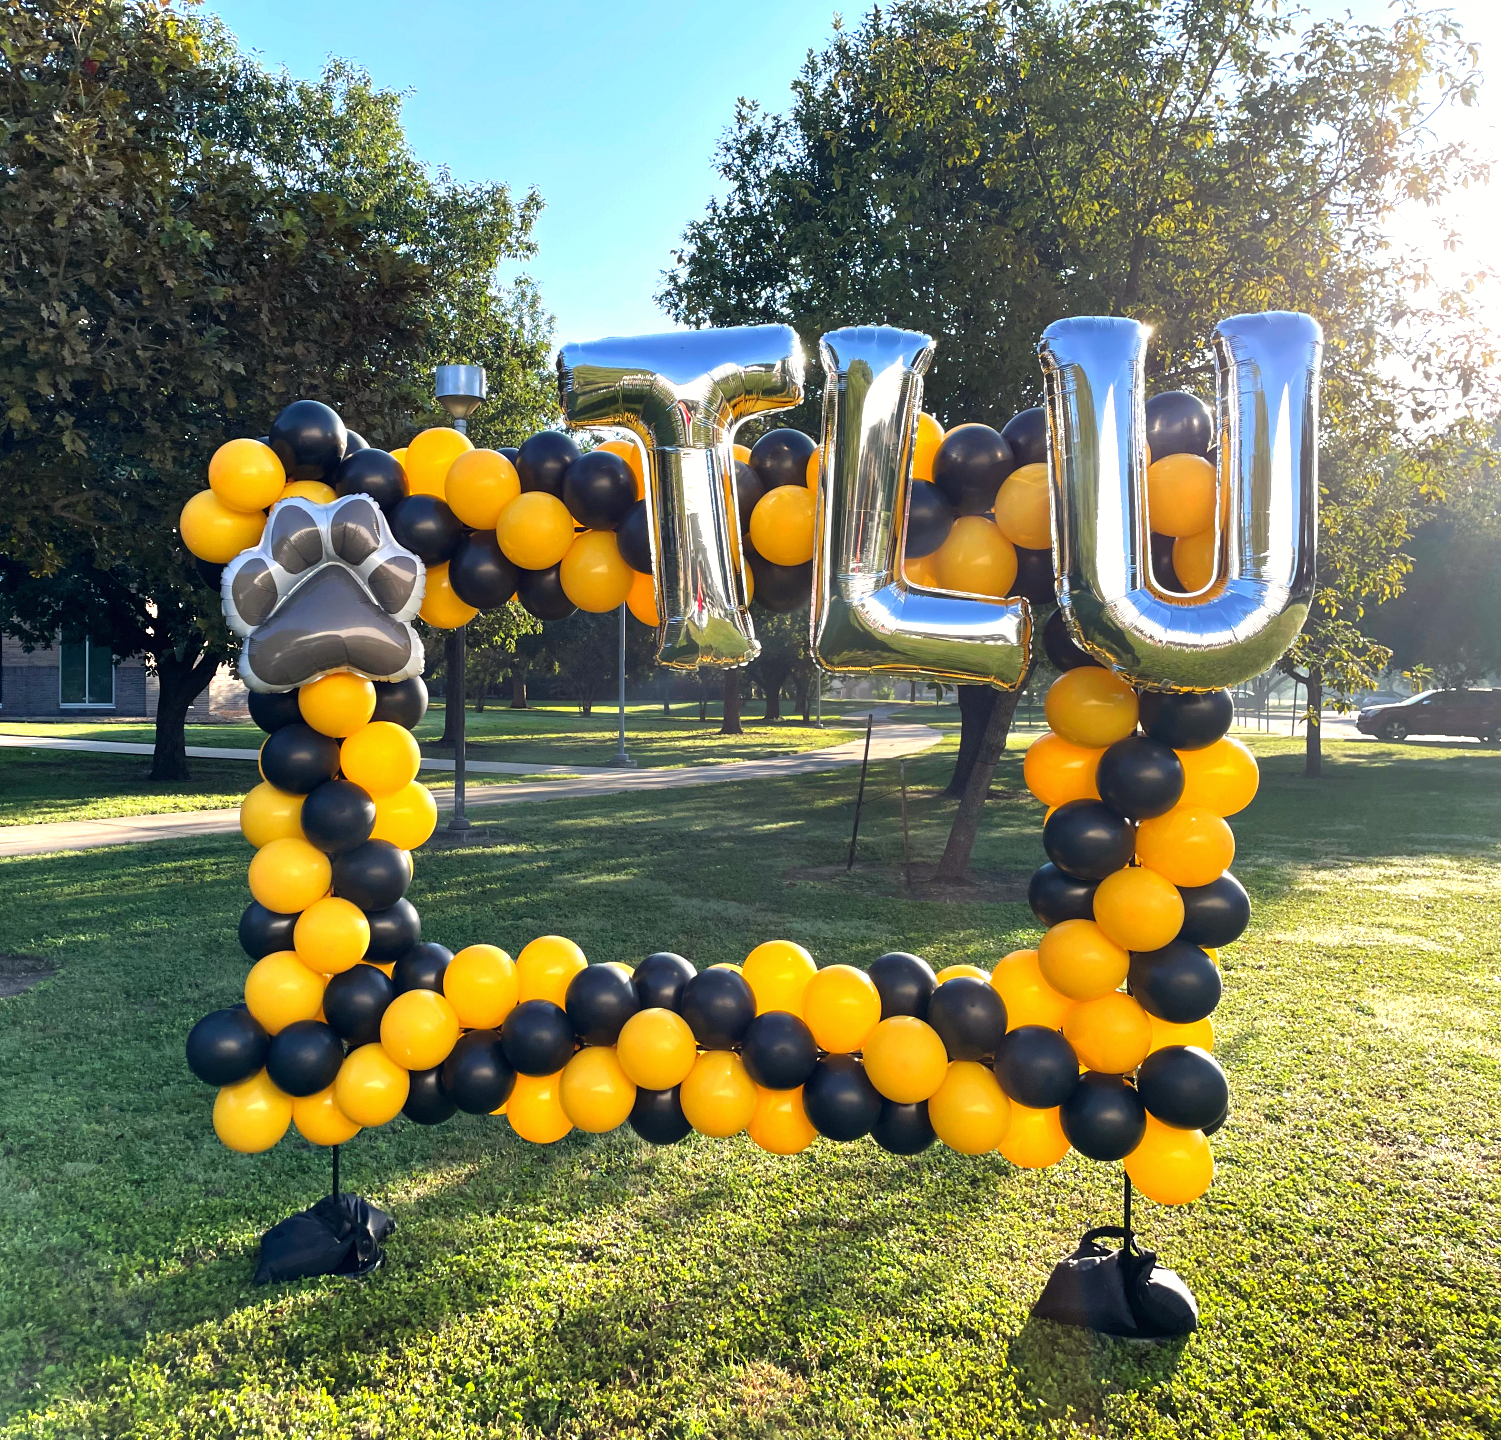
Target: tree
493,636
784,649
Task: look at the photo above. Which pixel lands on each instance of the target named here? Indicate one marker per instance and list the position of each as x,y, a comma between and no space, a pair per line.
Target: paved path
888,742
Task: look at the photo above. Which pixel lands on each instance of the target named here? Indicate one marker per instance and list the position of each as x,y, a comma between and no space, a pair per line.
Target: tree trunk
731,725
518,688
179,683
453,690
976,702
1313,749
954,866
703,707
807,700
772,685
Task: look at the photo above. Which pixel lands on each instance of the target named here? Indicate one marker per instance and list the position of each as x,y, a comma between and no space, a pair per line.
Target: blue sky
611,110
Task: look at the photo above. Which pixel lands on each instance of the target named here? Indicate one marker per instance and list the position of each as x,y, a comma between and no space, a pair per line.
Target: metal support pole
901,770
1130,1237
860,797
336,1172
621,760
456,687
818,697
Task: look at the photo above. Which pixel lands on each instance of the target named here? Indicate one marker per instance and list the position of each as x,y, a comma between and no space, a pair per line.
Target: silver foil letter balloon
683,395
1267,371
866,615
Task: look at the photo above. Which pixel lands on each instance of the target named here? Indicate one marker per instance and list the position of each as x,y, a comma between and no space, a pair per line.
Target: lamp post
460,389
620,760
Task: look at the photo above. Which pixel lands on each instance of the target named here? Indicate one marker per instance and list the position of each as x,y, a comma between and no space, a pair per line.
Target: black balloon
1178,983
1178,424
969,1016
1187,722
1215,914
1163,570
227,1046
297,759
903,1129
543,460
599,1001
1026,433
633,538
422,967
426,526
779,1050
1037,1067
782,588
598,489
930,517
375,473
337,816
1183,1086
210,574
538,1038
970,466
718,1006
748,489
476,1076
1218,1120
510,452
1062,653
659,980
657,1116
839,1099
309,440
541,593
1034,576
1103,1119
304,1057
393,931
402,702
1056,896
354,1002
480,573
1139,777
354,441
780,457
904,982
374,875
1088,839
426,1102
263,931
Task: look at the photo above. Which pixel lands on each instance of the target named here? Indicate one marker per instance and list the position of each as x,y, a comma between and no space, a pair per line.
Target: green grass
1346,1260
45,785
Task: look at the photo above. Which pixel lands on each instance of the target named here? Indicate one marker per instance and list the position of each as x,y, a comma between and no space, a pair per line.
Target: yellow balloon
656,1049
331,935
841,1006
905,1059
406,818
1111,1035
595,1092
480,983
1190,845
320,1121
289,874
920,572
419,1029
718,1095
314,490
630,452
1023,509
742,453
1221,777
1028,998
1080,960
925,445
1034,1139
338,704
428,458
780,1124
535,530
976,559
1180,495
545,968
1091,707
778,972
535,1109
246,475
952,972
280,989
1171,1166
1056,771
381,758
441,607
1138,908
400,457
969,1112
480,484
811,469
371,1087
781,525
642,599
214,532
252,1115
1199,1032
268,814
593,574
1194,559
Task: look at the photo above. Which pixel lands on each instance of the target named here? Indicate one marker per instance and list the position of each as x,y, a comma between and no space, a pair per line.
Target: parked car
1436,712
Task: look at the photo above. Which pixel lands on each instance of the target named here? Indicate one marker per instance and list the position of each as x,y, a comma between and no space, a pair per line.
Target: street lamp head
460,389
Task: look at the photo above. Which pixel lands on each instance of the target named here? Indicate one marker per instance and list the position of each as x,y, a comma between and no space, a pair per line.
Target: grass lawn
44,785
1347,1259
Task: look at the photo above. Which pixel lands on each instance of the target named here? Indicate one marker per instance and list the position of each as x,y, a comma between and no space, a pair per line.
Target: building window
86,675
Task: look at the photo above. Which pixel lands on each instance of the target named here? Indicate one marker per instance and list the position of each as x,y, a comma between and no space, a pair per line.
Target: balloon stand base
1122,1292
460,823
621,762
341,1235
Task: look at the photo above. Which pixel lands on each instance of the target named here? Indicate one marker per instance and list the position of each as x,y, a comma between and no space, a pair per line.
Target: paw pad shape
328,588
